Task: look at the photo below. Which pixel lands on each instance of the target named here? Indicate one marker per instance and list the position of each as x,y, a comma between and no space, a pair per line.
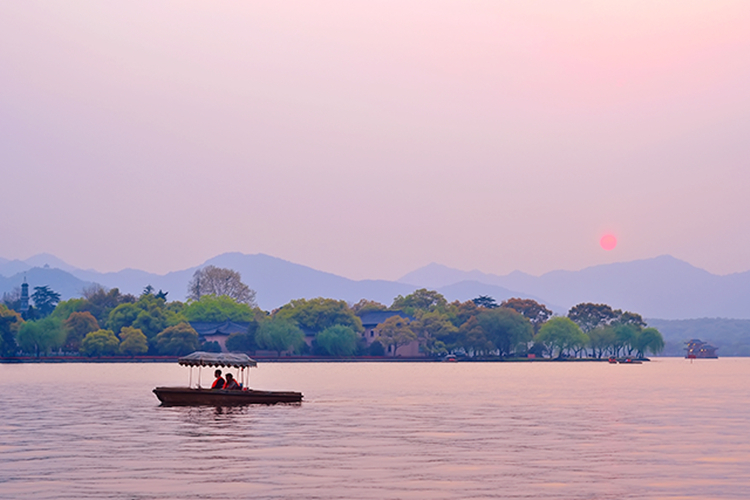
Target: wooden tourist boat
198,396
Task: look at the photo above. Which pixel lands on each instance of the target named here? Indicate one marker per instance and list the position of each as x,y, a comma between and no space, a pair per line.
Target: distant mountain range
662,287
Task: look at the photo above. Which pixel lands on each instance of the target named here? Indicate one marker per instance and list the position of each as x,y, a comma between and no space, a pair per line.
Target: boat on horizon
627,360
199,396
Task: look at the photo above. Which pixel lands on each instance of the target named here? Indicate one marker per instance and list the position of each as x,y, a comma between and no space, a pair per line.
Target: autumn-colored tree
76,327
10,322
395,332
530,309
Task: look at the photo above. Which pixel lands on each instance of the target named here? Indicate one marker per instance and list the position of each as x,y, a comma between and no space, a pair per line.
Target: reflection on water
666,429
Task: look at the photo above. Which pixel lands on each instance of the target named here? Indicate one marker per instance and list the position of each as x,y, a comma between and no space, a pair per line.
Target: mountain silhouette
662,287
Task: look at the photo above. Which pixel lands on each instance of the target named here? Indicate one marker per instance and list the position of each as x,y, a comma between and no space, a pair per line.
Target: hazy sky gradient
370,138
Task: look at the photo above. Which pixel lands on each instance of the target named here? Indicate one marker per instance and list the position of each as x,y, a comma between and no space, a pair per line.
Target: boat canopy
224,359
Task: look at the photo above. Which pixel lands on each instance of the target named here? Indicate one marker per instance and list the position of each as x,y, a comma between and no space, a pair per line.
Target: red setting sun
608,242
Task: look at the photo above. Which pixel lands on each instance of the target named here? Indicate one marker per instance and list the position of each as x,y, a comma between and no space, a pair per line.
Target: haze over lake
667,429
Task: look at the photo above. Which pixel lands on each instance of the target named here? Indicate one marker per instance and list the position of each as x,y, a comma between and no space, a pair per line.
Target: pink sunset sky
370,138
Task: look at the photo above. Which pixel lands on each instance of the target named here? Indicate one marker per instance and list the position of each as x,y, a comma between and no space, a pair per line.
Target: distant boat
625,361
197,396
631,361
697,349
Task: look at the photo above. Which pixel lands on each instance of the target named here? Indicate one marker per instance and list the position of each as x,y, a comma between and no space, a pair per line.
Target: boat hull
183,396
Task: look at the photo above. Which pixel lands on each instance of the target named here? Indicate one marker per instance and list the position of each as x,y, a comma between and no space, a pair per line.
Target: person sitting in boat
219,382
231,384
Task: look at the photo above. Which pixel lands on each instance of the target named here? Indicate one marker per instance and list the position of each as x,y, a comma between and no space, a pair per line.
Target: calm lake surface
666,429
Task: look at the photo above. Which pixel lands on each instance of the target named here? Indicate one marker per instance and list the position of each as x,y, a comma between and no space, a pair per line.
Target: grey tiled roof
374,318
224,328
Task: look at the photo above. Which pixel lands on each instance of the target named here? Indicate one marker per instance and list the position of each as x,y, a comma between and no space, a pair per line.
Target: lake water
669,429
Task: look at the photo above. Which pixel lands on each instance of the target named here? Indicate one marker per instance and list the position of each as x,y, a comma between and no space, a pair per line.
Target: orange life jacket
218,383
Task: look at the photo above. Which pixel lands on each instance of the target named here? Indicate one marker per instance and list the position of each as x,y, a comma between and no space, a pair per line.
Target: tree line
107,322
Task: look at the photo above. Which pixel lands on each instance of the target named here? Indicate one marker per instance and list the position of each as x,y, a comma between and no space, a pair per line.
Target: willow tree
561,334
649,340
279,335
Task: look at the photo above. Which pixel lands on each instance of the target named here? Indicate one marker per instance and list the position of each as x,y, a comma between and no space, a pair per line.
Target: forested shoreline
105,324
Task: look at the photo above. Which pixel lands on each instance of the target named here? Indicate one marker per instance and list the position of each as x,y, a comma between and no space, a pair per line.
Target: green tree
150,322
435,331
177,340
588,316
629,318
149,313
41,336
10,322
365,306
460,312
422,299
338,340
649,340
67,307
123,315
45,300
133,342
601,339
473,339
562,334
218,281
625,338
241,342
217,309
315,315
101,302
76,327
279,335
485,301
506,329
395,332
376,349
100,343
532,310
211,346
